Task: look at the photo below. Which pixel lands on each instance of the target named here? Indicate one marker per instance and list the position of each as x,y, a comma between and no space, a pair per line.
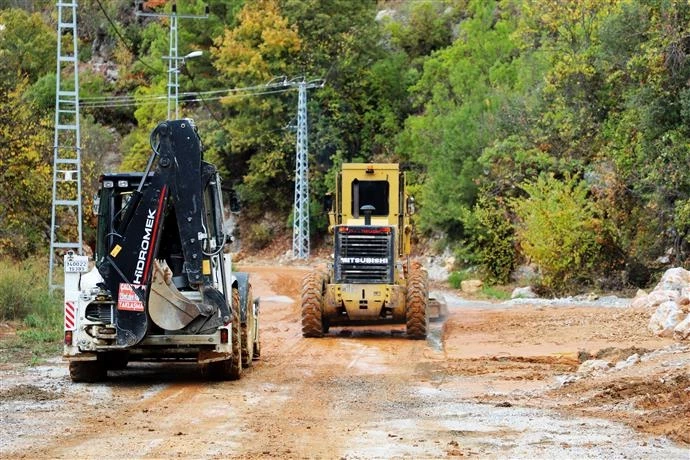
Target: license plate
76,264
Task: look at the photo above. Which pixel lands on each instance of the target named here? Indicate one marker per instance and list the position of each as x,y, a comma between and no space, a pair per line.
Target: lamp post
173,60
174,65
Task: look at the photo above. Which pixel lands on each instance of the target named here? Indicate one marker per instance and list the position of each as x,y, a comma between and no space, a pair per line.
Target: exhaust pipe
368,210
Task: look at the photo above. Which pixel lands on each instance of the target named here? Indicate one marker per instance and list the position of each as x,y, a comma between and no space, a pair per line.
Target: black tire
231,368
416,305
312,305
87,371
247,334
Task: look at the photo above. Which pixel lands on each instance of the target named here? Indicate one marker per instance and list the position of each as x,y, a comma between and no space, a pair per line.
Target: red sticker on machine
127,299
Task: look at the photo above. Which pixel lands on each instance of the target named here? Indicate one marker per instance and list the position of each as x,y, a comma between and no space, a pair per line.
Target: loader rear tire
231,368
247,332
416,306
87,371
313,286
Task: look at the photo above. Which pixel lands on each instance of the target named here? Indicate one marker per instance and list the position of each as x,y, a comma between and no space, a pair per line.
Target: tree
458,95
262,46
26,157
27,45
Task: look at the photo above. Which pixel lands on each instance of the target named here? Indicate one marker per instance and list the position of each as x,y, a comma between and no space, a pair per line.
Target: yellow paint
116,250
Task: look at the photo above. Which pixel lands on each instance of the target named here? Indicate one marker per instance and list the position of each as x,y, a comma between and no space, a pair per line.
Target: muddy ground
492,381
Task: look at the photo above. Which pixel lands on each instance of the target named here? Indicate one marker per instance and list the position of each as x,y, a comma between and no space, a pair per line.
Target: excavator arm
176,188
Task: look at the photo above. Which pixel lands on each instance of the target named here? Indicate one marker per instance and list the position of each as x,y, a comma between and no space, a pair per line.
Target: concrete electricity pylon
66,201
174,61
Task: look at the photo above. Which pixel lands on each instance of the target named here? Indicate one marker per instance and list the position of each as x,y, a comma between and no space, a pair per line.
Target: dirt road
492,381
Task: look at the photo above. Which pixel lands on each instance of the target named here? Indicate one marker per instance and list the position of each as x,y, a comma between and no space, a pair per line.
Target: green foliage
493,238
22,294
425,27
561,231
457,277
459,94
259,236
27,45
495,292
473,97
25,299
25,156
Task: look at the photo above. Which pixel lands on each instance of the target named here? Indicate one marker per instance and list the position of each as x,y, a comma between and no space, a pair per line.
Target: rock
525,273
523,293
674,279
682,329
665,319
632,359
655,298
640,293
471,286
592,366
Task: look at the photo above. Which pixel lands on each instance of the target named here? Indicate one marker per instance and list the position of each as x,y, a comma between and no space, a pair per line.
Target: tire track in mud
131,417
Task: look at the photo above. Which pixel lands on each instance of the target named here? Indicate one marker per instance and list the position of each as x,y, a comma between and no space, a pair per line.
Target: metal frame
66,198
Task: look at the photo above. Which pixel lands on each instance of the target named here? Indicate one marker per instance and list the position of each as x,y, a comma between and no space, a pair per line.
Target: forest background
548,134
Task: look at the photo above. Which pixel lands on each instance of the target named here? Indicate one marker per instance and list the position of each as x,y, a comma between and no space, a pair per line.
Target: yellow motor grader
371,279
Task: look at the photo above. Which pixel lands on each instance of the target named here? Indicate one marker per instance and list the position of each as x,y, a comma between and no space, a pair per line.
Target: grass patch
26,303
496,292
457,277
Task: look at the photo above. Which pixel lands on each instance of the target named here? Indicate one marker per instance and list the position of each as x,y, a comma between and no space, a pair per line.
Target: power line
122,39
270,84
128,101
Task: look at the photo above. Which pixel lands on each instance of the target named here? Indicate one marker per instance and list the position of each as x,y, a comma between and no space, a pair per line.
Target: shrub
259,236
494,239
560,230
455,278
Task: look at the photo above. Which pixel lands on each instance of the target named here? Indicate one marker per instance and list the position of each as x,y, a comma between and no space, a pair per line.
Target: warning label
127,299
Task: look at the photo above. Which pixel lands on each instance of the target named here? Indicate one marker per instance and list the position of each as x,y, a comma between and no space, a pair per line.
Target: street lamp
174,65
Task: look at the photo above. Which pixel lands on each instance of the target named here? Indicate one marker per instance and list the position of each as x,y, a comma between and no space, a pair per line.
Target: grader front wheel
416,300
312,305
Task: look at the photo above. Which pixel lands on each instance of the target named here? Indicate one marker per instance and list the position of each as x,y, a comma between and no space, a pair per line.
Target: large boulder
666,318
523,293
670,301
655,298
471,286
674,279
682,329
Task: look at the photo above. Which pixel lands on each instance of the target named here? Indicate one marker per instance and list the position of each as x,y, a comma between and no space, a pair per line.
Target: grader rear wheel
416,314
312,305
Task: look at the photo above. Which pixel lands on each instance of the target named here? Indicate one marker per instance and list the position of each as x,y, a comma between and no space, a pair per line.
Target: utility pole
174,61
300,227
66,201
